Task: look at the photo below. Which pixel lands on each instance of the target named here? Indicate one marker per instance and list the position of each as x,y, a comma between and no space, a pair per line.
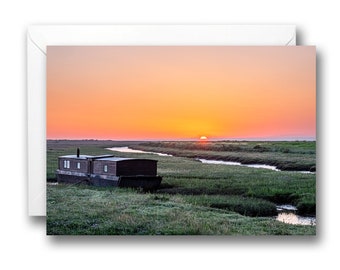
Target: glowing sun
203,138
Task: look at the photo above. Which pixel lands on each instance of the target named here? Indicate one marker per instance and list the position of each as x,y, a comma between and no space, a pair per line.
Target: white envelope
39,37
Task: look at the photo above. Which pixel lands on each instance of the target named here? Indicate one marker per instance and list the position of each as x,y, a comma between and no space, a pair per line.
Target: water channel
258,166
125,149
287,214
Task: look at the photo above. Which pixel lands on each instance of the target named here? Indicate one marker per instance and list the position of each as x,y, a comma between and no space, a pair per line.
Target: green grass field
194,198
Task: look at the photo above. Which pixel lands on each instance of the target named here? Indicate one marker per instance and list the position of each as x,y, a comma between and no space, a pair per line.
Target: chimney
78,152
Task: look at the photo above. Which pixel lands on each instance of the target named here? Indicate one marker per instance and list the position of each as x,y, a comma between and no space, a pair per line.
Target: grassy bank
194,198
290,156
102,211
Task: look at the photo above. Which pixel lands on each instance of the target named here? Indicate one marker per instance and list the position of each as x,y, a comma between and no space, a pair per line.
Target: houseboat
108,170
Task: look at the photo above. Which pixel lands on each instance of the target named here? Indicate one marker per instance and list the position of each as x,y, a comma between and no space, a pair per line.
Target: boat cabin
108,170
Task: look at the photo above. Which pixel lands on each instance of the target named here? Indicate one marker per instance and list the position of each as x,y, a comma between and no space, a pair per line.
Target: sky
181,92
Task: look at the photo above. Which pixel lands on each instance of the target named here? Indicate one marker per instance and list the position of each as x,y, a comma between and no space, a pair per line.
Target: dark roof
113,158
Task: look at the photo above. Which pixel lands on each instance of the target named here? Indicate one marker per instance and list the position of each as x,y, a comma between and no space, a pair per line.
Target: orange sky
184,92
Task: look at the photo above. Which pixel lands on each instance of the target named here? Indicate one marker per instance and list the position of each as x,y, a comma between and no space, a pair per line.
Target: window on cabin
66,164
105,168
78,165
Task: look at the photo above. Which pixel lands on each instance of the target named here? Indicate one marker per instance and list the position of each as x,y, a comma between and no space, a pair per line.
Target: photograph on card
181,140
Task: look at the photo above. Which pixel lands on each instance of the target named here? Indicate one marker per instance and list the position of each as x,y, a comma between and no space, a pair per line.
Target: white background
23,241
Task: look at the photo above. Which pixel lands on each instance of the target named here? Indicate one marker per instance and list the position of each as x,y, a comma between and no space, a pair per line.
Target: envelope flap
160,35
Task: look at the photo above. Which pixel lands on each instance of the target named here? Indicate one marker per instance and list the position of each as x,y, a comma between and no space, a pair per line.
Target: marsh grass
243,205
80,210
194,198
